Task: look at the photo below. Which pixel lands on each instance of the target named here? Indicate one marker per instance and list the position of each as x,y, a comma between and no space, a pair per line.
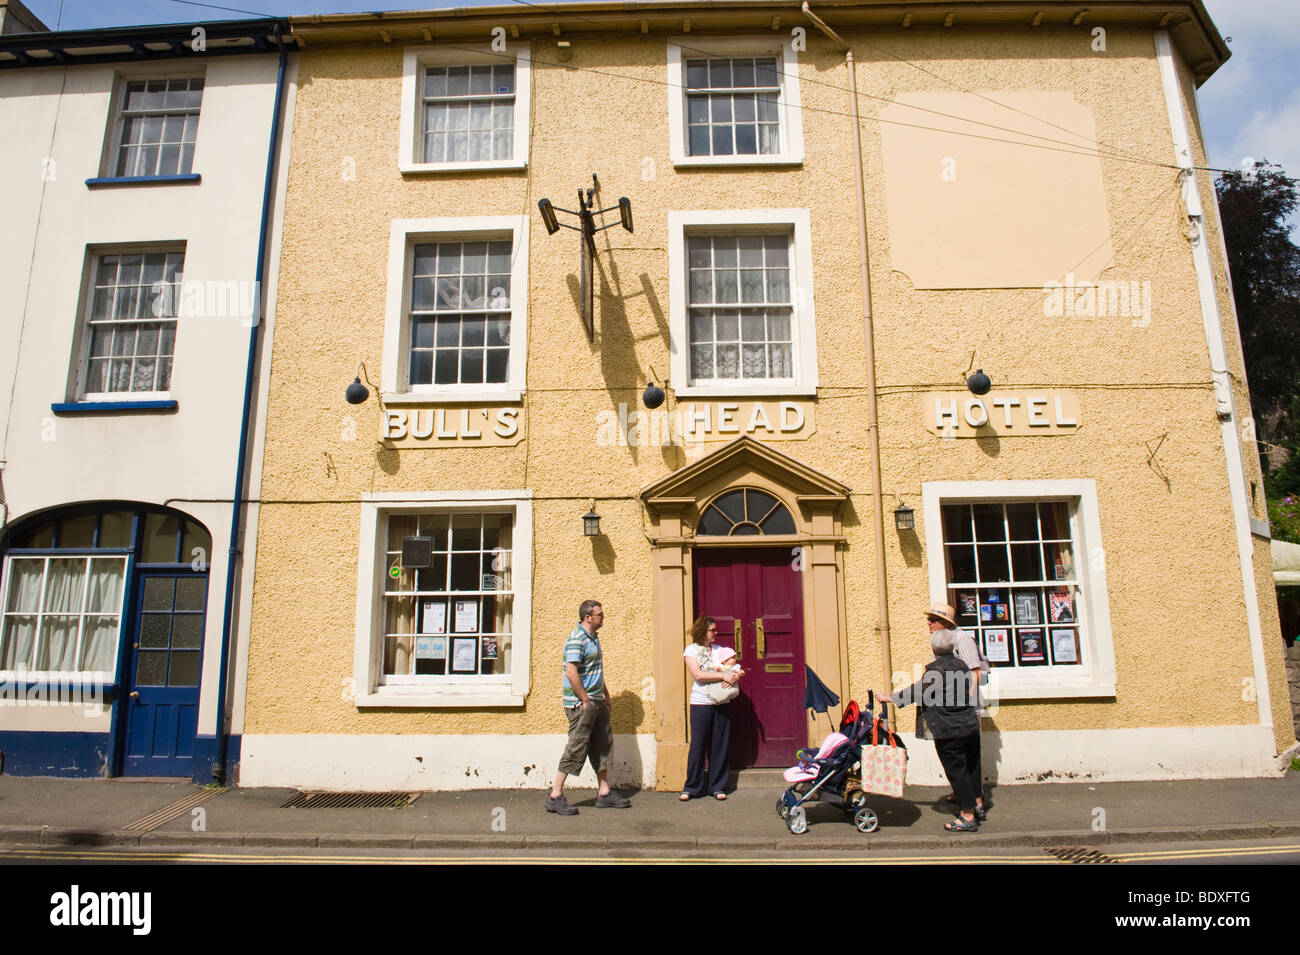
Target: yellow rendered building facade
1097,516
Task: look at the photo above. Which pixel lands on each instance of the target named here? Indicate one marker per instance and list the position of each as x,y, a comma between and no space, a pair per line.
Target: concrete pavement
90,812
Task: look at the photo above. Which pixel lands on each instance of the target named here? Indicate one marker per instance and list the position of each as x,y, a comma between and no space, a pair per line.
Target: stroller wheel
866,819
797,820
782,809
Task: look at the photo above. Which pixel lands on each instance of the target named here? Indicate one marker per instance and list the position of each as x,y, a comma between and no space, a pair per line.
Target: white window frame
405,235
432,691
410,139
82,355
1096,676
681,49
108,162
104,677
803,317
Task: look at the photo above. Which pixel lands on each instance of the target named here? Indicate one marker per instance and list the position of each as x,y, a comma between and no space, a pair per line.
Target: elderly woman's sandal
962,825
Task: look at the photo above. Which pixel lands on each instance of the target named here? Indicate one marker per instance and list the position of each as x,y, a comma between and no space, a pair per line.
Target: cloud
1273,133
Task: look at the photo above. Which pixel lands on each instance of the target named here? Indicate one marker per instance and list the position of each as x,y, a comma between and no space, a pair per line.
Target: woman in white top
710,720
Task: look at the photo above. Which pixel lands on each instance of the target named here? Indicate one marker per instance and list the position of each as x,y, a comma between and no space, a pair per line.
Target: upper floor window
456,318
740,307
463,110
460,313
734,102
130,326
732,106
741,302
157,127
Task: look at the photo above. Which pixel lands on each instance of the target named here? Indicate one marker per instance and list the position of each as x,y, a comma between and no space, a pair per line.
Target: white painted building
140,177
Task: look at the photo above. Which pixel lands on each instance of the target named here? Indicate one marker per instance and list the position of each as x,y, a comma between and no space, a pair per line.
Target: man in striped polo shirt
587,705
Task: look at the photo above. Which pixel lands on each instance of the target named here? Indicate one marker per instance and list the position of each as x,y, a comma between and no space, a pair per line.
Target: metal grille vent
1078,854
306,800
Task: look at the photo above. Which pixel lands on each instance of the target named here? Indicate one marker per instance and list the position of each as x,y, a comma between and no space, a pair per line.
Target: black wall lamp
591,522
586,216
979,383
357,393
653,396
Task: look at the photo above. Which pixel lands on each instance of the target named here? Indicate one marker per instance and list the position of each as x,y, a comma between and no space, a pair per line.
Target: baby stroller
834,770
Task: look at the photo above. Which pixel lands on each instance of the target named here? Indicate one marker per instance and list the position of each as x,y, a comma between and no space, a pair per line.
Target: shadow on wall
602,552
628,716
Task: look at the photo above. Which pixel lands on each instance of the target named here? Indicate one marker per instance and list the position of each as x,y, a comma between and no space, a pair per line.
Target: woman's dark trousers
710,739
960,756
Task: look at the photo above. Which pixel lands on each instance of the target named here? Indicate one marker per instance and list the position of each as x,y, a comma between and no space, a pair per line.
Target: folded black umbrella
817,696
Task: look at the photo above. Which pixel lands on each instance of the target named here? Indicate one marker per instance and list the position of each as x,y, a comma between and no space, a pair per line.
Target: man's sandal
720,796
961,825
684,797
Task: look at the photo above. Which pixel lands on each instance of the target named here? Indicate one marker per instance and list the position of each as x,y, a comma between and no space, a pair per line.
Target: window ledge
1048,690
439,698
112,407
744,392
689,161
504,396
415,168
142,180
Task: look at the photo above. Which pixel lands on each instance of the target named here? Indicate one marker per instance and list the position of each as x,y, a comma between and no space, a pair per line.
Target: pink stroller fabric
806,771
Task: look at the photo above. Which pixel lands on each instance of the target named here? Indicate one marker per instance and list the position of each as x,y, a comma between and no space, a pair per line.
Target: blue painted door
162,691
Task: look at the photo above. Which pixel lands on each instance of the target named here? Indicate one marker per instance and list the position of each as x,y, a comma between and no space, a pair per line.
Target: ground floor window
1011,574
453,616
1023,564
62,614
443,597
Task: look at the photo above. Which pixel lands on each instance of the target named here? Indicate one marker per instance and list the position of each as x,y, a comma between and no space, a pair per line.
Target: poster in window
1064,565
491,582
1061,606
466,616
464,655
430,648
1001,613
1031,646
968,605
996,647
1027,608
435,617
1064,648
489,648
986,612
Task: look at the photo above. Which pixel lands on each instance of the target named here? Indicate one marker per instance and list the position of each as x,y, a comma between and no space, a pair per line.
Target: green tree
1265,268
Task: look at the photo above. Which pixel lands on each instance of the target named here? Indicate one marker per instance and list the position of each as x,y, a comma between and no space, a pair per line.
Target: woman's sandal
961,825
720,797
684,797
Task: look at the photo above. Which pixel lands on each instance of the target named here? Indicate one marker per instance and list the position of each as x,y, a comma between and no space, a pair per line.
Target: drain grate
1078,854
168,813
316,800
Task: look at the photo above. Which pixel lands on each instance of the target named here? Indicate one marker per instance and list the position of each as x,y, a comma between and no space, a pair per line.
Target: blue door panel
162,701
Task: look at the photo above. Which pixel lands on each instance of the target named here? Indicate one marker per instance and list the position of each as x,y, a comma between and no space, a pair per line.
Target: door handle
737,633
762,642
134,695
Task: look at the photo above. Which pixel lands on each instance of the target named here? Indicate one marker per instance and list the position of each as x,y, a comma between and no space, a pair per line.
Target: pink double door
756,595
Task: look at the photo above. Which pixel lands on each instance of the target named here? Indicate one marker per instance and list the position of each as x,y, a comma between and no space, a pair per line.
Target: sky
1249,108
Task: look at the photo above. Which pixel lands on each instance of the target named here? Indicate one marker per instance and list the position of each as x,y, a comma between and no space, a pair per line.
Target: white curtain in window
99,644
58,649
19,634
25,584
64,582
105,585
